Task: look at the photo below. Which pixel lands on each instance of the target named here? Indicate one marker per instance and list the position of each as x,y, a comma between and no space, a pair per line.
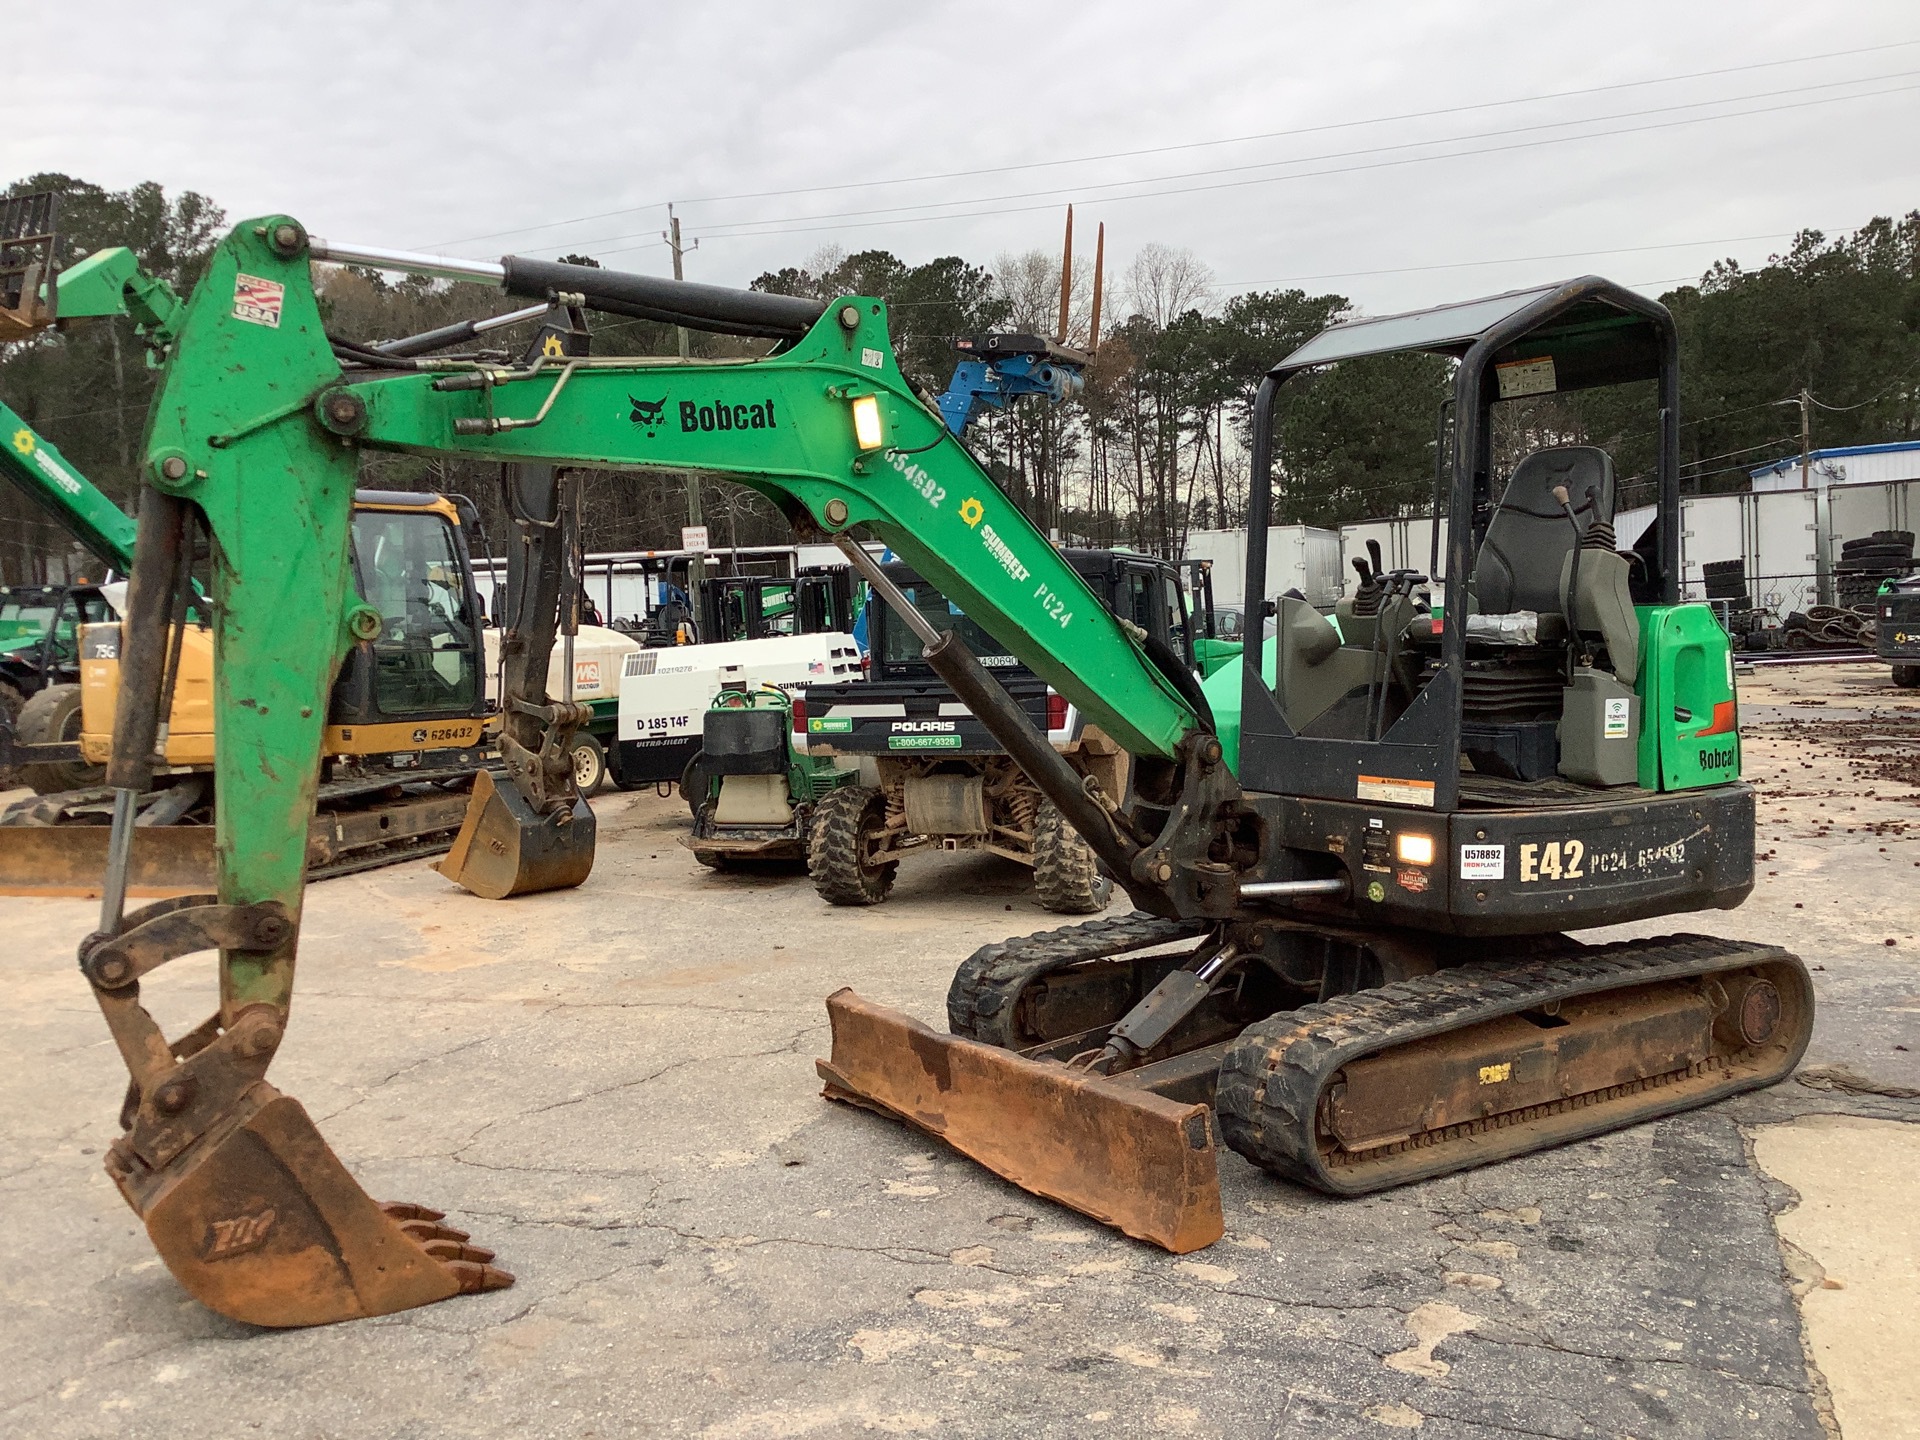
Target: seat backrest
1529,538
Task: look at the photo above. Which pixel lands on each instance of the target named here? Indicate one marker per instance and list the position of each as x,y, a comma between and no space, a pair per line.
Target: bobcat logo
228,1238
648,413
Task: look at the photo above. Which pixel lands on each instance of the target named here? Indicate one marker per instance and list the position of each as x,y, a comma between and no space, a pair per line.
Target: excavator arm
255,434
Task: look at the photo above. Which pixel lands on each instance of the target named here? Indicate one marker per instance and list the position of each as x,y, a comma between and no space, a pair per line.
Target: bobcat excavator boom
1082,1063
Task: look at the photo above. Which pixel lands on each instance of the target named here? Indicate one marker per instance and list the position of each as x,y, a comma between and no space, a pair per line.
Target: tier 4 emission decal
258,301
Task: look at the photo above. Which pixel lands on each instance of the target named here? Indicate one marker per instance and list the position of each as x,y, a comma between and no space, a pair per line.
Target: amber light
1414,849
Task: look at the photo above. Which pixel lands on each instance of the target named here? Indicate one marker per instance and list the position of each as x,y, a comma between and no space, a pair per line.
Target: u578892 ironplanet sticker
1483,862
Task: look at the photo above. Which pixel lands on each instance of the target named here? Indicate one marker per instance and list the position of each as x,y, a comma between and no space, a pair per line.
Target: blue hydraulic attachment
1001,368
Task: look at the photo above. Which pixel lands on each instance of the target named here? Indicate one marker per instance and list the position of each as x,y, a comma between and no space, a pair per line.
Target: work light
868,433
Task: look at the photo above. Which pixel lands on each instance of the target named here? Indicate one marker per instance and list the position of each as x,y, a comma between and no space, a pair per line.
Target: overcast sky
434,125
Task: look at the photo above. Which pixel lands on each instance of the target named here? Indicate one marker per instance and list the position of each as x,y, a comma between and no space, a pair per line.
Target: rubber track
1273,1076
980,1002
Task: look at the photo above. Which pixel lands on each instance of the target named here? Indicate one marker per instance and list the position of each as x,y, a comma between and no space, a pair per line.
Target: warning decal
1526,377
258,301
1392,790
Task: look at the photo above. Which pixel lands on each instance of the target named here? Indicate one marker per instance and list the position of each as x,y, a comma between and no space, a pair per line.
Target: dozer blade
72,860
1126,1157
506,847
261,1222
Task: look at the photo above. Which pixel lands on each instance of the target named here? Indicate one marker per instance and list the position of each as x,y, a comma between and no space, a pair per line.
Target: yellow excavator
408,729
1356,855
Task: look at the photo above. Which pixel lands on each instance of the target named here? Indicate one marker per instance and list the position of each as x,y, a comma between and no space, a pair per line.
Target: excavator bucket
506,847
72,860
1124,1156
260,1222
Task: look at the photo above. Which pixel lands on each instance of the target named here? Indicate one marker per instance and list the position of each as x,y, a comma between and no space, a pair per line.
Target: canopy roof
1598,333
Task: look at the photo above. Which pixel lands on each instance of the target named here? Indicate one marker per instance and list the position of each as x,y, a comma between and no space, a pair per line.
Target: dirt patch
1857,1234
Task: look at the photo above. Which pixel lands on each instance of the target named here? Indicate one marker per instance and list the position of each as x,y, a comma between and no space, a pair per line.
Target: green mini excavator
1355,866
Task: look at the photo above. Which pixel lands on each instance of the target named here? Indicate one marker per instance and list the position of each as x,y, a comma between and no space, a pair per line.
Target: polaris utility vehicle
936,775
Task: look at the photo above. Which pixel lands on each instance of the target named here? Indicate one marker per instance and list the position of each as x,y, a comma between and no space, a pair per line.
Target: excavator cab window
408,568
77,610
24,619
901,648
1151,597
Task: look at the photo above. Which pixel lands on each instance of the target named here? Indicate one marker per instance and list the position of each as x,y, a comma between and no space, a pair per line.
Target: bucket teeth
426,1231
402,1210
261,1222
475,1278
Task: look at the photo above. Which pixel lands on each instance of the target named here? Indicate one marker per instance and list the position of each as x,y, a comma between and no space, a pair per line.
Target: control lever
1393,584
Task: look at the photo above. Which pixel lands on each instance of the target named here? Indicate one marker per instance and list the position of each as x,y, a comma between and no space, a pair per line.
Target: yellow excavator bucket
506,847
1122,1155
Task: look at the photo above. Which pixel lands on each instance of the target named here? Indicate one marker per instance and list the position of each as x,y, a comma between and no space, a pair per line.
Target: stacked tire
1726,584
1868,561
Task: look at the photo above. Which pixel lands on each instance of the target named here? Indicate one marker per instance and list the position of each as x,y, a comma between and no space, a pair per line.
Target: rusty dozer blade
261,1222
507,847
1126,1157
72,860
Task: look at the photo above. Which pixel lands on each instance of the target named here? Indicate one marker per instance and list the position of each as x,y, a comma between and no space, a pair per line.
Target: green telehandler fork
1350,944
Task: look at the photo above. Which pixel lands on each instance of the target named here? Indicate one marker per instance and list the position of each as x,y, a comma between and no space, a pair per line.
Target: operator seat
1529,539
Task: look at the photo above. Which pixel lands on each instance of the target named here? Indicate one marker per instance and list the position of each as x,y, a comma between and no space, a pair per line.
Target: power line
1315,174
1085,192
1204,144
1240,286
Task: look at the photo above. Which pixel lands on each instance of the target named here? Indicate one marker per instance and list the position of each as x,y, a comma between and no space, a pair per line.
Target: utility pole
696,569
1806,438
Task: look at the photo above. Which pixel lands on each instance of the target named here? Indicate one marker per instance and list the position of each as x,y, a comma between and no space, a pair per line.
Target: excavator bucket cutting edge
506,847
261,1222
1126,1157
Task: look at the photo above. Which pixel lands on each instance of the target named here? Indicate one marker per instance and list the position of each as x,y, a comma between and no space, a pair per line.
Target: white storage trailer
1406,543
1299,557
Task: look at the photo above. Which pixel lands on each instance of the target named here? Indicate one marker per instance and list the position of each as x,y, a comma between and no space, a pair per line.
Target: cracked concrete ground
614,1088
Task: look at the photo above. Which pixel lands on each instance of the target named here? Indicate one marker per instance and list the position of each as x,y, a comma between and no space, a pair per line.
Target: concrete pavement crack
371,1087
1541,1342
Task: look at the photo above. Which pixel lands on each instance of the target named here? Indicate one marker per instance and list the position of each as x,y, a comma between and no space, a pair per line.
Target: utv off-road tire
845,823
1066,874
10,703
49,718
1907,677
